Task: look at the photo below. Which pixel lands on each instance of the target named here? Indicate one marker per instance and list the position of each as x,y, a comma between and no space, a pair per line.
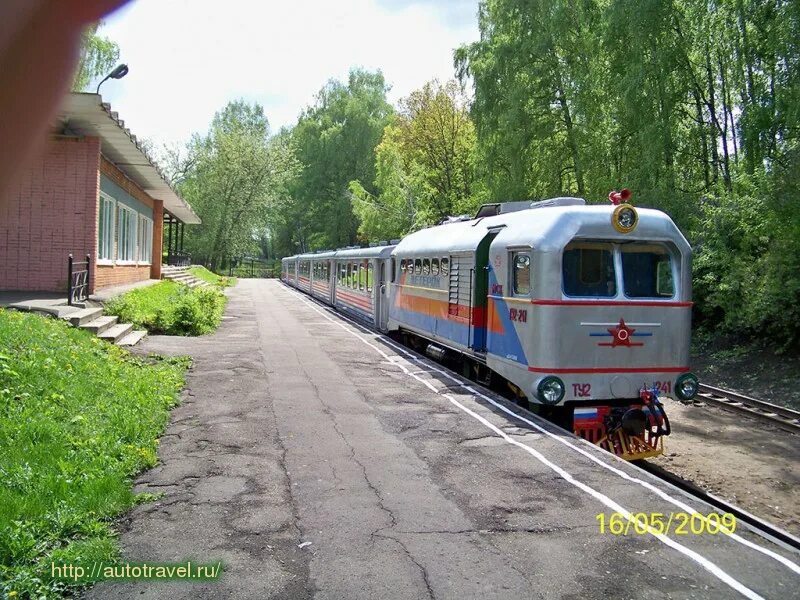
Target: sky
188,58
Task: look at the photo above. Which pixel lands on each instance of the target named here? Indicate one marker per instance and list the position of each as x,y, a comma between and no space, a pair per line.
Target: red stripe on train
612,370
545,302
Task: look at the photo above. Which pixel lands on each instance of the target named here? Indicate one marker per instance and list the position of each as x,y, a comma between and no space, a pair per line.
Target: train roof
547,228
369,252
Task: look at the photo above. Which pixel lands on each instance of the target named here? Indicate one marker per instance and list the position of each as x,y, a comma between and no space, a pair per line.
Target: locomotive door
382,293
480,293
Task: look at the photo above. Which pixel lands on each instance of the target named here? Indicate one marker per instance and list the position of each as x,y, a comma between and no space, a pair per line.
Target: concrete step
83,316
133,338
115,333
100,324
171,270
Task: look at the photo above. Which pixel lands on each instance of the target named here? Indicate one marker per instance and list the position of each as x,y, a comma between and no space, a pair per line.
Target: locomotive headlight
686,387
550,390
624,218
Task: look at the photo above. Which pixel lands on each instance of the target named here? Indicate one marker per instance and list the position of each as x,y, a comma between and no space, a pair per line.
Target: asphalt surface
315,459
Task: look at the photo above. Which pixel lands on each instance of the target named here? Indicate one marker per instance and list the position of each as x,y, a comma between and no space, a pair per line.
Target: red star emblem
621,335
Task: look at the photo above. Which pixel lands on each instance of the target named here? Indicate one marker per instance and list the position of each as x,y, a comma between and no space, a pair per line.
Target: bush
78,419
171,308
747,266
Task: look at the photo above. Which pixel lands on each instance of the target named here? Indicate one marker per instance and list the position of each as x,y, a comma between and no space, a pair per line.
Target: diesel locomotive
582,311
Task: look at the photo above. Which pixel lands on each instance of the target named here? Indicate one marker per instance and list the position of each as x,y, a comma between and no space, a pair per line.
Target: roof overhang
86,114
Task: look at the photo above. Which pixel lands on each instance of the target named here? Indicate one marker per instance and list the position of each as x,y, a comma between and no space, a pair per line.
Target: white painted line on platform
646,484
701,560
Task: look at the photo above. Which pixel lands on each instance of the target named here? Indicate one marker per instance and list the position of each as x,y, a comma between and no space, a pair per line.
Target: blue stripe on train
506,344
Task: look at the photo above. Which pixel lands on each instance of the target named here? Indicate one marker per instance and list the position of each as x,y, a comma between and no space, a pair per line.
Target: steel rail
765,527
780,415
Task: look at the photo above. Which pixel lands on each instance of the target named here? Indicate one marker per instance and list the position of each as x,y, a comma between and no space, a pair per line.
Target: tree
238,179
425,165
335,140
98,55
692,105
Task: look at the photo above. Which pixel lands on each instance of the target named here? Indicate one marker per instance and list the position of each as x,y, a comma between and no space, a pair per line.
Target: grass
78,419
211,277
170,308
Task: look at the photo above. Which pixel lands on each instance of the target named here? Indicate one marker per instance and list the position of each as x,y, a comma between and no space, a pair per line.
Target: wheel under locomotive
584,312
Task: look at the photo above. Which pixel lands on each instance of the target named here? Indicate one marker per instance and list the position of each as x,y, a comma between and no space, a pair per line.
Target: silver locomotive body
586,309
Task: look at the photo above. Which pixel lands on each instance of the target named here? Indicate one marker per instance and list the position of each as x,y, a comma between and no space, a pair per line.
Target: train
580,312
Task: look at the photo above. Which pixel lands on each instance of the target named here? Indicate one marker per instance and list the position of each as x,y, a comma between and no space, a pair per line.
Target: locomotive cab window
435,266
647,271
417,266
426,266
445,266
588,270
521,273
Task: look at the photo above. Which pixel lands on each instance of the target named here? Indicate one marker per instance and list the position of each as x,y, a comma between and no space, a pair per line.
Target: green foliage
98,56
425,166
210,277
78,419
335,140
236,178
691,105
170,308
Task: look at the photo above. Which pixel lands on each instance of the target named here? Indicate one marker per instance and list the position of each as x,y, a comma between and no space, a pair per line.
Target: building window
145,239
126,234
105,227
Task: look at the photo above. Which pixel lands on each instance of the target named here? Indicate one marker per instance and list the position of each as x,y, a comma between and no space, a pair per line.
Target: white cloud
187,58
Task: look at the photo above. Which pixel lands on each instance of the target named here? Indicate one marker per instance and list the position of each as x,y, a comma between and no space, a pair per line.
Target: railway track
784,417
768,529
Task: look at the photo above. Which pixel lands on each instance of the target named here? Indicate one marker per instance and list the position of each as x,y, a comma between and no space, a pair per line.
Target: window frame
131,235
435,266
417,266
444,266
602,245
145,240
652,248
513,253
111,240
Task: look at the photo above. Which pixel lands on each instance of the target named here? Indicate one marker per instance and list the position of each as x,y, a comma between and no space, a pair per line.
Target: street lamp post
118,73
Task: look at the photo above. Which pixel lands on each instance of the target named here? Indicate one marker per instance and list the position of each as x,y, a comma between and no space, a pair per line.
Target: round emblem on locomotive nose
622,335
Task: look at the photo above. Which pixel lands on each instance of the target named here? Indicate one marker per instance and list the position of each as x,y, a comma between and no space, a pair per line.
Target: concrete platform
317,459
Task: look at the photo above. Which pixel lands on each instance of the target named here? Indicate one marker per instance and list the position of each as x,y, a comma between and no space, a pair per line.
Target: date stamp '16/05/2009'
678,523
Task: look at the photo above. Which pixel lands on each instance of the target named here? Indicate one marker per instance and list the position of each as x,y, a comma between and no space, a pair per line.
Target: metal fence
252,267
177,258
78,279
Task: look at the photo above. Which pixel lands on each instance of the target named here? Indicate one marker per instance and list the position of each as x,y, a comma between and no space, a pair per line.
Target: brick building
92,191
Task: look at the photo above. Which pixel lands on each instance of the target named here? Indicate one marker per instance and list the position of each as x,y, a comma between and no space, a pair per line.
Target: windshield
647,272
588,270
